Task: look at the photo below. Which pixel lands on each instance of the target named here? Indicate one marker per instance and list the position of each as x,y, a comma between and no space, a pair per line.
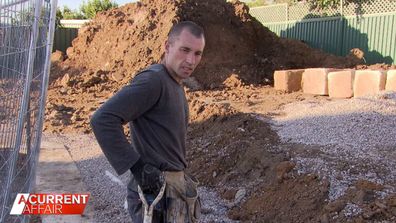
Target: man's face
183,54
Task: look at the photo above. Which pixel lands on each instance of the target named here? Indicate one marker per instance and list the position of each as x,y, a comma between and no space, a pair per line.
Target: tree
255,3
67,13
92,7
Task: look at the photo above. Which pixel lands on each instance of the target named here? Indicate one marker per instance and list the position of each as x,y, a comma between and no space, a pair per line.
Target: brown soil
380,66
124,40
235,151
228,147
118,43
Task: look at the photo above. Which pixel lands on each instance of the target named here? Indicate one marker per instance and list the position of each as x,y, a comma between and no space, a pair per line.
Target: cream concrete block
314,81
341,83
288,80
390,80
368,82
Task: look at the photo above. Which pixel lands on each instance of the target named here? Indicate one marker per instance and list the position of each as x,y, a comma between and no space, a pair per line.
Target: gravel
352,139
340,140
108,190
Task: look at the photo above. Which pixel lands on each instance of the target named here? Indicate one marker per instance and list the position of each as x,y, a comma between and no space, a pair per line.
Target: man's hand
148,177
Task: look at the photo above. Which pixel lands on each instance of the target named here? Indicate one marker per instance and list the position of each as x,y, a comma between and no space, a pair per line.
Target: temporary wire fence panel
368,26
26,34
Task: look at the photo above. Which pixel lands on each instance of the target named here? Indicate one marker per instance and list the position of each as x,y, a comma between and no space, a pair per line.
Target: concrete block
368,82
314,81
288,80
341,83
391,80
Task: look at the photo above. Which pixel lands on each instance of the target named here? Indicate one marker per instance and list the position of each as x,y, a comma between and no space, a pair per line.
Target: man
156,108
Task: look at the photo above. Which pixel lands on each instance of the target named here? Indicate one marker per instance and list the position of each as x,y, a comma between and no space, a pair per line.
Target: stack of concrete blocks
288,80
336,83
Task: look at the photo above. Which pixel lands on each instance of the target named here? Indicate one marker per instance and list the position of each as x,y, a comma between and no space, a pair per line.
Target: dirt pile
124,40
236,153
117,43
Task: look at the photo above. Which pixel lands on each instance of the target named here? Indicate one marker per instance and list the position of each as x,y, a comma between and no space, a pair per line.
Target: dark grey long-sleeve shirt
156,108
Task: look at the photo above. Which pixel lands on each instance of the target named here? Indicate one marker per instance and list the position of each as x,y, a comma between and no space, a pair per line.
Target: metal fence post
45,79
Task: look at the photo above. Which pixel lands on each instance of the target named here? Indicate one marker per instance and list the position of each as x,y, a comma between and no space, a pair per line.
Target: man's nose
190,59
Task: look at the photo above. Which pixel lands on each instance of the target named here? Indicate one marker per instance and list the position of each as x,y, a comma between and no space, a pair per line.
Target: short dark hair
192,27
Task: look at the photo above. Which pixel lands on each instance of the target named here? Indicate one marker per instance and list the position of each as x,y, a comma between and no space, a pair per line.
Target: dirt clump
233,81
360,204
294,200
57,57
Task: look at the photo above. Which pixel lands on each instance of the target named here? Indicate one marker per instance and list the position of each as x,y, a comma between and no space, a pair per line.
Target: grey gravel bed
354,138
108,191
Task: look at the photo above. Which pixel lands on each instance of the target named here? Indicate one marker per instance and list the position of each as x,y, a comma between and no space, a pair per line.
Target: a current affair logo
49,204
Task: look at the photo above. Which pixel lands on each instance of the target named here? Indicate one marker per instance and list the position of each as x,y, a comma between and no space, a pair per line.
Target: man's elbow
95,120
102,119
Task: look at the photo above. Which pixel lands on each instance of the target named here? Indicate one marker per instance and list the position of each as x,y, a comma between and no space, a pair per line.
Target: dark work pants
135,207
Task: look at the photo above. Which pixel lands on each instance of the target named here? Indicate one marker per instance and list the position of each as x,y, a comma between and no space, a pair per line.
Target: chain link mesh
374,7
299,11
273,13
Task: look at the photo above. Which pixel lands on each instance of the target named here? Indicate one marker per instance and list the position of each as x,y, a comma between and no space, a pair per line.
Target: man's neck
172,74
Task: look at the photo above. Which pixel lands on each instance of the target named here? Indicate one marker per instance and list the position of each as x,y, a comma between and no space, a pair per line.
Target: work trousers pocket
183,203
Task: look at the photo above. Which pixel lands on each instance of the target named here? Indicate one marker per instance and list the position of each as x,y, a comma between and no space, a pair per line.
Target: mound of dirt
234,152
243,158
124,40
118,43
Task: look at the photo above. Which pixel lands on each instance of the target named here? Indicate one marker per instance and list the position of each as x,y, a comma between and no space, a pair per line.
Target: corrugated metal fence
370,27
66,34
63,38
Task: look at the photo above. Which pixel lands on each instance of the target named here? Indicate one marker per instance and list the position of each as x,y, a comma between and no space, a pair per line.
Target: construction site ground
248,173
260,155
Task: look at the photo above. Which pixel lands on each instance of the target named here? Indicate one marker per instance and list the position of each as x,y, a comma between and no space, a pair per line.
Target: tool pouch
182,200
